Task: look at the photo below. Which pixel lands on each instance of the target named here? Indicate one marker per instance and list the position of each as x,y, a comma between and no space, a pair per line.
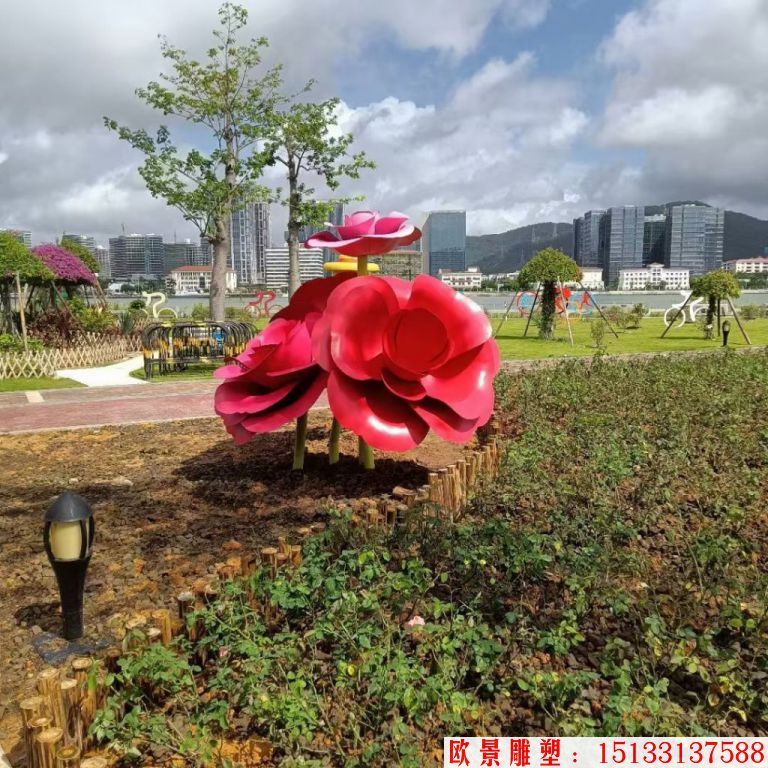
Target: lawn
646,338
612,581
24,385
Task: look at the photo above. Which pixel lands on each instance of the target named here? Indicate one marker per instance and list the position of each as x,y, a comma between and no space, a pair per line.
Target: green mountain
745,237
508,251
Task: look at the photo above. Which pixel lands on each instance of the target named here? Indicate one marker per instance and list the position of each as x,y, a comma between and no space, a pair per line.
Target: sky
519,111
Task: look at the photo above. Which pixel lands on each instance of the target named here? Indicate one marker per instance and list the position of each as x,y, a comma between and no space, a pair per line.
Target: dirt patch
170,500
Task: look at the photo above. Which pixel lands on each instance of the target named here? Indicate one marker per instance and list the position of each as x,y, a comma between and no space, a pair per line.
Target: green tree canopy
226,96
549,266
16,257
719,285
82,253
305,139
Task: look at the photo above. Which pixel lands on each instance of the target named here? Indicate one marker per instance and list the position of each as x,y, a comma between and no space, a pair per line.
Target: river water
493,302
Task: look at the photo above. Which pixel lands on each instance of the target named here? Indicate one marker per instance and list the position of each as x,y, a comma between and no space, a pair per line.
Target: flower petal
358,313
465,322
369,410
445,422
416,340
301,398
388,224
245,398
466,382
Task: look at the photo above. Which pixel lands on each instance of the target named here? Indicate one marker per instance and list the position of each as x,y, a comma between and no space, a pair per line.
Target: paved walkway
113,375
104,406
101,406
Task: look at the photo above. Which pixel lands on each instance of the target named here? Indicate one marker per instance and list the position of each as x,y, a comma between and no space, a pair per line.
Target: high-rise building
444,242
186,254
622,231
132,255
586,239
654,239
102,256
85,240
249,239
277,266
22,235
695,236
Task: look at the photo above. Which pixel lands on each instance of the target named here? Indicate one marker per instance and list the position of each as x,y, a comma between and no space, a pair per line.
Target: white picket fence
93,351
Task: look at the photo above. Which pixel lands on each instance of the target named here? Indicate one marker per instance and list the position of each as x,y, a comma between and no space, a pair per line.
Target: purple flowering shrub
66,267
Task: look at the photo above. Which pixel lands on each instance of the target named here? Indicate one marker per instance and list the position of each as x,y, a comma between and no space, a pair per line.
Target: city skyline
518,111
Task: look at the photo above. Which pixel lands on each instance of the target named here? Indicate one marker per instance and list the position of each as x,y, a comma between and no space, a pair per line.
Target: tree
82,253
224,95
304,138
549,267
17,260
716,286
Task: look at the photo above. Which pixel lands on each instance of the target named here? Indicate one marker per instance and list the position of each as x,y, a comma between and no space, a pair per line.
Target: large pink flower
404,358
276,378
366,233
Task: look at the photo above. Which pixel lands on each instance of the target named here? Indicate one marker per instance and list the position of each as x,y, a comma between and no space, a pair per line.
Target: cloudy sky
516,110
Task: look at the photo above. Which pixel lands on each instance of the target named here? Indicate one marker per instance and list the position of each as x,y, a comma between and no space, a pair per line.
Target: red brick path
96,407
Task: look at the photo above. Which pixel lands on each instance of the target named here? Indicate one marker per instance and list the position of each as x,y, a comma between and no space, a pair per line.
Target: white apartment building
654,276
592,278
468,280
755,266
276,263
196,279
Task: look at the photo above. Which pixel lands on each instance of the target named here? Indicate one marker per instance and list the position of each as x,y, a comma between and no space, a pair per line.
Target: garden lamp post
68,537
726,331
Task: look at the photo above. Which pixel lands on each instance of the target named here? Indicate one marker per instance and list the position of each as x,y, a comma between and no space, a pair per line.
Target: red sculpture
276,379
366,233
405,358
398,358
255,307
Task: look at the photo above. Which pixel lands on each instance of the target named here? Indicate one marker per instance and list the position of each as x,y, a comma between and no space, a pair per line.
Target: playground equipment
677,314
175,345
255,307
525,303
153,301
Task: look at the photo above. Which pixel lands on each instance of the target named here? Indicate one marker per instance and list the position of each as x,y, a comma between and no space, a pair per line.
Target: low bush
11,343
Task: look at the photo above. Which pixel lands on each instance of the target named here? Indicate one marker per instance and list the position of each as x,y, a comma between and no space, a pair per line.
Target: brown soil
170,500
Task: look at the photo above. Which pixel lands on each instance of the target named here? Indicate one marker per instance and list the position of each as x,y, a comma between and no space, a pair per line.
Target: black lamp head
66,509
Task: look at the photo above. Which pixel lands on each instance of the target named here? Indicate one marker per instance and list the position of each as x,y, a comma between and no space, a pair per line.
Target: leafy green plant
610,581
597,330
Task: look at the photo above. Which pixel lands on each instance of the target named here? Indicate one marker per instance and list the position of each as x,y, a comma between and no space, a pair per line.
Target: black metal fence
172,346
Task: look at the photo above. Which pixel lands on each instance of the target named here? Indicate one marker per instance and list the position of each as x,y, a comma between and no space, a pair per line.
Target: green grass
646,338
24,385
611,581
194,373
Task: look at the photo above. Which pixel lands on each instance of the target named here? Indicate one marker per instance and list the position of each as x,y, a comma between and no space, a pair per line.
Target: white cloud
62,169
689,89
498,147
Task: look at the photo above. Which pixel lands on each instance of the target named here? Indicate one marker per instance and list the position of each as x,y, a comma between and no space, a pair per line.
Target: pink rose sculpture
367,233
276,379
403,358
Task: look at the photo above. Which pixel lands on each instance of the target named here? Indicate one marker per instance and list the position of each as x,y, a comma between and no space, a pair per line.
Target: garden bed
170,500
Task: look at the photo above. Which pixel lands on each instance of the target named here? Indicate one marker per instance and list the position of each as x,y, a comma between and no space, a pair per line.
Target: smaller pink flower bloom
367,233
416,621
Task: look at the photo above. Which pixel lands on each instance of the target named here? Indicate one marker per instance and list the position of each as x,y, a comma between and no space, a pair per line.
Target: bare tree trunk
221,248
219,267
294,201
